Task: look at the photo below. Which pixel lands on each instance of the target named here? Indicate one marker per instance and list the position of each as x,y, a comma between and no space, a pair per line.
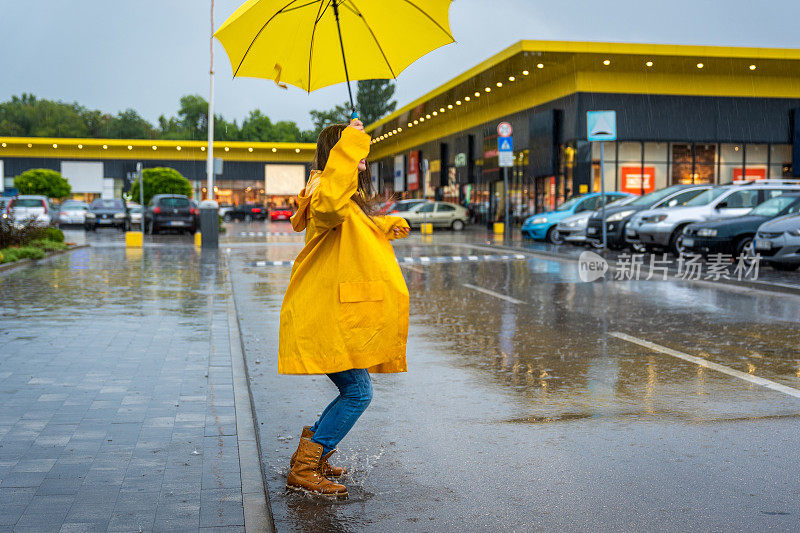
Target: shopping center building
255,172
685,114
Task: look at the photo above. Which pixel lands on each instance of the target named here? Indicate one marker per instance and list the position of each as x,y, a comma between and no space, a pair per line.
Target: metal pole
140,176
603,193
505,194
210,161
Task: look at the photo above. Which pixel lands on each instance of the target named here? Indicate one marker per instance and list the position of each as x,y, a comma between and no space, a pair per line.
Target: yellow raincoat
347,302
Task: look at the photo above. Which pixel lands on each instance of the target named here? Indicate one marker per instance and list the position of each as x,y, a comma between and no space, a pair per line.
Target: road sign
504,129
218,166
505,151
601,125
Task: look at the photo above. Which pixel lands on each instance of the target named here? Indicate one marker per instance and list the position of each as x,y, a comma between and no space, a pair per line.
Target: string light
274,150
607,62
458,102
130,147
700,65
227,148
250,149
752,67
540,65
297,150
466,98
511,78
449,106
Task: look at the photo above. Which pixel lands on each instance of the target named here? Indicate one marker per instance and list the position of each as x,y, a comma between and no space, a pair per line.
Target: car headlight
119,215
576,223
658,218
795,232
538,220
616,217
90,215
706,232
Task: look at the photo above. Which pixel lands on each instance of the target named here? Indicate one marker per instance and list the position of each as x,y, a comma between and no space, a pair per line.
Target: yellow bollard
426,228
133,239
198,239
499,228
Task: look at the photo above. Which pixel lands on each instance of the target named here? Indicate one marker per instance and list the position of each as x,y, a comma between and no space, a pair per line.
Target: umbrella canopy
303,42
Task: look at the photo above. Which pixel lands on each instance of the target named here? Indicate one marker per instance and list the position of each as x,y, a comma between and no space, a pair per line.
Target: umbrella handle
354,115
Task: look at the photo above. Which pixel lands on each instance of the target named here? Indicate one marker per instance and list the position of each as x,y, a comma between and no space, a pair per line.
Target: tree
160,180
129,124
374,100
324,118
43,181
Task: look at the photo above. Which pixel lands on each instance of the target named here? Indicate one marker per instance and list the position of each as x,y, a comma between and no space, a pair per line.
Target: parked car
663,228
280,213
735,235
27,206
573,228
136,211
400,205
620,219
170,211
542,226
246,213
778,242
225,209
440,214
72,212
107,213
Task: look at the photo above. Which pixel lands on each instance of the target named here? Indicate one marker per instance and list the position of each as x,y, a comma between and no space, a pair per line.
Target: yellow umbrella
316,43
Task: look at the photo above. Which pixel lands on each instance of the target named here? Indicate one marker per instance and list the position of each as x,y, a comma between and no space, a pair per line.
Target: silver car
663,227
573,228
440,214
72,212
30,206
778,242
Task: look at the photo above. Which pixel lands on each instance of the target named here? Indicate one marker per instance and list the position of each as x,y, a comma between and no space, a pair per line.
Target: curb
33,262
255,498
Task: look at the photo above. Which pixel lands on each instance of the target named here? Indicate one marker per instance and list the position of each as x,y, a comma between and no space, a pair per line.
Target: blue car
542,227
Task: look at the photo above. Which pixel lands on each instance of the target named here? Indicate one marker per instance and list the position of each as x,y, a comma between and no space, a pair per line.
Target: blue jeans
355,393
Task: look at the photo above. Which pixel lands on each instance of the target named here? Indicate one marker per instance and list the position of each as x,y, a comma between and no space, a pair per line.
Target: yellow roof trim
161,143
588,47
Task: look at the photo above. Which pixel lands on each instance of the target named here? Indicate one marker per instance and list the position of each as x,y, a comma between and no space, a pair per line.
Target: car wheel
554,236
746,248
227,218
639,248
676,242
457,225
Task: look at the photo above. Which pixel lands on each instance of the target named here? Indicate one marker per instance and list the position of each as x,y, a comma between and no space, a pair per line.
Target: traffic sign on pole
505,151
601,125
504,129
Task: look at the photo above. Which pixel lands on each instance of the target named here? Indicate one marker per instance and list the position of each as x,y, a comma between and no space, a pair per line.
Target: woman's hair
366,196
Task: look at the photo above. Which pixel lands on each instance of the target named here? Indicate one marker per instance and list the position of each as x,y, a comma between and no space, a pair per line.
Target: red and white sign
413,170
504,129
750,173
634,181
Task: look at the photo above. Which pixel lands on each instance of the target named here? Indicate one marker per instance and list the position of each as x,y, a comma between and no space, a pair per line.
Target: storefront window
780,161
682,164
731,158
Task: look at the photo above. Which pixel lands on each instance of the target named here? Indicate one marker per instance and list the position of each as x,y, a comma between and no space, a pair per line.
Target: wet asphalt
522,410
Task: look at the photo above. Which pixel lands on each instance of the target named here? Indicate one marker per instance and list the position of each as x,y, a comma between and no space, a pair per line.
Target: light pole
210,161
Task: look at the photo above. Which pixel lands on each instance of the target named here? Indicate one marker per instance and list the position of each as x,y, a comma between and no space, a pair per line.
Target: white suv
663,227
27,206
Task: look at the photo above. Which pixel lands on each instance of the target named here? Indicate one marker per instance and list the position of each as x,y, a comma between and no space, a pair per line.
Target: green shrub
43,181
53,234
48,245
24,252
160,180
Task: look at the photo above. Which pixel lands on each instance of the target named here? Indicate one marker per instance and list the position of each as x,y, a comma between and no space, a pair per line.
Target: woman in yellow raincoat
345,313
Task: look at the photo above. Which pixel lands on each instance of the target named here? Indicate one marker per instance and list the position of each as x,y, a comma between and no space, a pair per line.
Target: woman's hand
400,232
357,124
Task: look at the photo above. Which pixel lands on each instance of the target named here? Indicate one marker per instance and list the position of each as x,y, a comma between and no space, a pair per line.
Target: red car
281,213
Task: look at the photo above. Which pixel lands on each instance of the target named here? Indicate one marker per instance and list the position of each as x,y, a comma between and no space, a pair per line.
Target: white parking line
492,293
708,364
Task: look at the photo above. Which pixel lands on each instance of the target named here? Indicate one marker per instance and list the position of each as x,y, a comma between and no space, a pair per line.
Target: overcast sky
146,54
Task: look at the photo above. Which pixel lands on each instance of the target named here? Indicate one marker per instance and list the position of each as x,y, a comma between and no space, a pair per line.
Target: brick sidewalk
116,395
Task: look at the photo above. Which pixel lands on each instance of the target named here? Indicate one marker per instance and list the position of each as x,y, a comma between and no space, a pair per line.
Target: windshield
706,197
27,202
622,201
73,207
178,202
772,207
107,204
569,204
654,197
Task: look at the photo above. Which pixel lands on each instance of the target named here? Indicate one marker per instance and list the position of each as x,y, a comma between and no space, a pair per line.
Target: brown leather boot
306,472
333,472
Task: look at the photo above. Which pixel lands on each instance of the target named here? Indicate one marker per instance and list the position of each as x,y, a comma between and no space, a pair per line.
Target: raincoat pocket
361,304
